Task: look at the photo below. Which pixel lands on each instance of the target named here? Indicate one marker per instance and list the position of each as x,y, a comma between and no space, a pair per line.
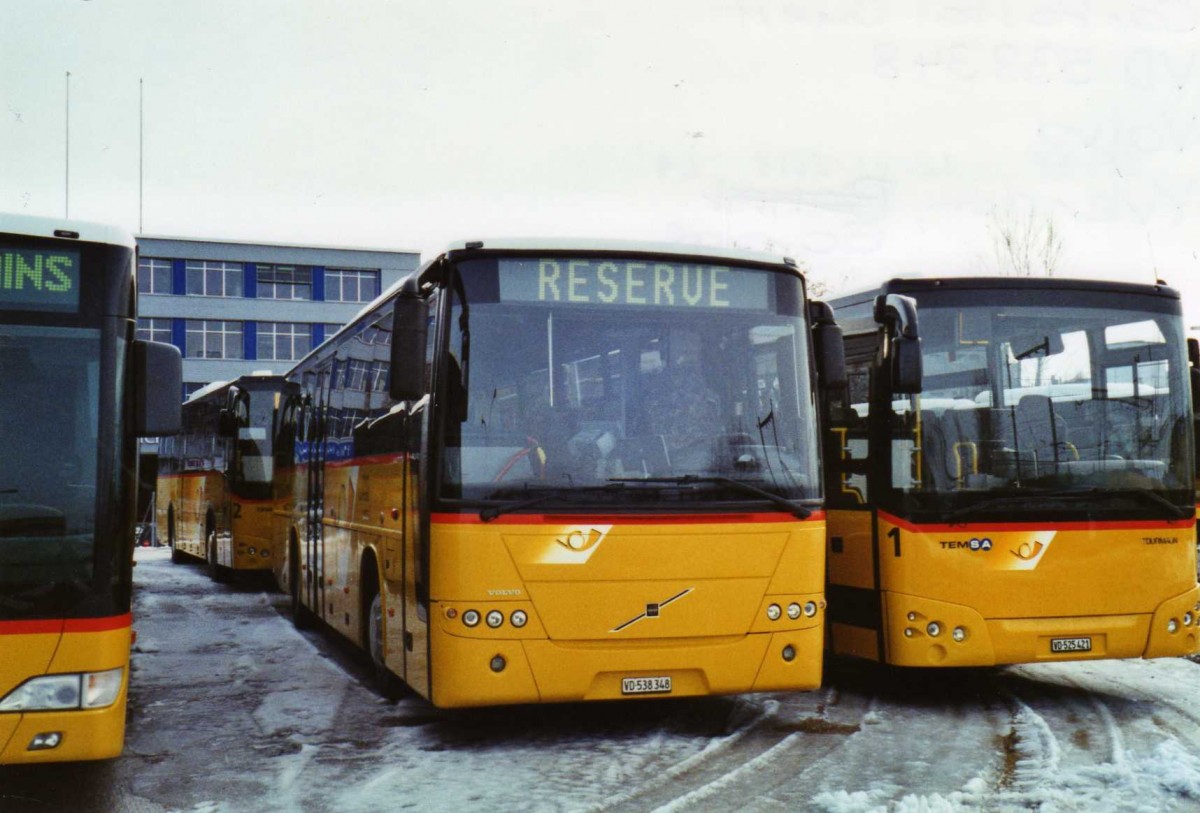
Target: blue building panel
318,283
179,335
318,334
250,281
250,341
179,277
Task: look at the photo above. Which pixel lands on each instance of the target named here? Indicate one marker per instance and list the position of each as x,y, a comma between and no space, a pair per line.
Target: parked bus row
547,472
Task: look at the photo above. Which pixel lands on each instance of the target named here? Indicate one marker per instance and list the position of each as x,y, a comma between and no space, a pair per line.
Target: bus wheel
301,617
215,571
385,682
177,556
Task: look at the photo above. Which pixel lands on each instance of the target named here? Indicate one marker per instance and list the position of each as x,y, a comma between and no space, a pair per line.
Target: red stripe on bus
57,625
1103,525
623,519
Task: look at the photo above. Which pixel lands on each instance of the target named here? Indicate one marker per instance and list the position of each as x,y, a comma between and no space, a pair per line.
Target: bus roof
589,244
567,244
64,228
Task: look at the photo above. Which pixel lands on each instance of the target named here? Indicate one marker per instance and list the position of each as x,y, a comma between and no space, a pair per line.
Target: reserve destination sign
654,283
39,280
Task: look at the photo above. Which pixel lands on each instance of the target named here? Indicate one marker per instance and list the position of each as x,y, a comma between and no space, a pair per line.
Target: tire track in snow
768,750
1083,736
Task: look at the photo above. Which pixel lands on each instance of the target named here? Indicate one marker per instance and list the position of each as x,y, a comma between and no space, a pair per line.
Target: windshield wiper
1030,498
737,485
1150,496
492,511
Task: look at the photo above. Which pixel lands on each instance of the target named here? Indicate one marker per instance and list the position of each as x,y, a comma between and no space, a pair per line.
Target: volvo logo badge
653,610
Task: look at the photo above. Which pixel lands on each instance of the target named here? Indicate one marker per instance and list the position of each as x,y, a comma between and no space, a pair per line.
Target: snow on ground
233,709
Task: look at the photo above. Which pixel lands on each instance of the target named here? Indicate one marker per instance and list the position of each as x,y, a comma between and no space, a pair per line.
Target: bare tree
1024,246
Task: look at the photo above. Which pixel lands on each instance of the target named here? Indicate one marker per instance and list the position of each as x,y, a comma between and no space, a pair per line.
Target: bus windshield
581,374
253,457
1087,402
49,422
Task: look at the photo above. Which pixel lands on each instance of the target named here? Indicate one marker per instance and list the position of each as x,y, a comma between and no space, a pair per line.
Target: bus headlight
934,629
471,618
519,618
495,618
91,690
793,611
773,612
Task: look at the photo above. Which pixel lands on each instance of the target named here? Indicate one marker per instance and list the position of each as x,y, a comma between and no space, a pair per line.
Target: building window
153,276
208,278
154,330
332,328
284,282
213,339
190,387
283,341
349,285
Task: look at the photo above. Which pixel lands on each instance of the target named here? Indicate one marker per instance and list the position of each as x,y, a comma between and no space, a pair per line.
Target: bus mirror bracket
409,338
226,424
899,315
828,345
157,389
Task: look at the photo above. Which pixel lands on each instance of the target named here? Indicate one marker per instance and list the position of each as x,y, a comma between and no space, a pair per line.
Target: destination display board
634,283
39,280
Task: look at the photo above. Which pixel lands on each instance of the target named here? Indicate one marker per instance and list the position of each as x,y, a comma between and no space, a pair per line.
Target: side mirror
157,389
899,315
409,338
906,366
227,424
828,346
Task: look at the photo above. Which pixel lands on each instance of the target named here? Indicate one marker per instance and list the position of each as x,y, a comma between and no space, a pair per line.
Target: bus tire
386,683
178,557
216,572
301,618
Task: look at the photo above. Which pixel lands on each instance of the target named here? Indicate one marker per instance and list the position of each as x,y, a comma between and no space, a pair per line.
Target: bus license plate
1070,644
646,685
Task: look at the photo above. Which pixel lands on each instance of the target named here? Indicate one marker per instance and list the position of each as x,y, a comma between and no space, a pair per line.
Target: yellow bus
76,390
1011,475
539,471
214,492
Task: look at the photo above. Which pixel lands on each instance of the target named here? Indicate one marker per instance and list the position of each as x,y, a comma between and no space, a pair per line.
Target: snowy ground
232,710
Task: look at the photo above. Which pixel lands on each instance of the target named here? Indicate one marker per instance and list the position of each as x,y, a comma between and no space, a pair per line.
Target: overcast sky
866,139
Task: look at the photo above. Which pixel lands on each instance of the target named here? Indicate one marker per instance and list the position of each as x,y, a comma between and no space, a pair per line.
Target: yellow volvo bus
76,389
552,471
1010,475
214,491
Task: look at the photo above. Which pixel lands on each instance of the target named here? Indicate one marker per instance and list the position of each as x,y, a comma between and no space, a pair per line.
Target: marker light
909,632
518,618
934,629
912,616
1172,626
471,618
810,608
100,689
1187,619
773,612
959,634
495,618
793,611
